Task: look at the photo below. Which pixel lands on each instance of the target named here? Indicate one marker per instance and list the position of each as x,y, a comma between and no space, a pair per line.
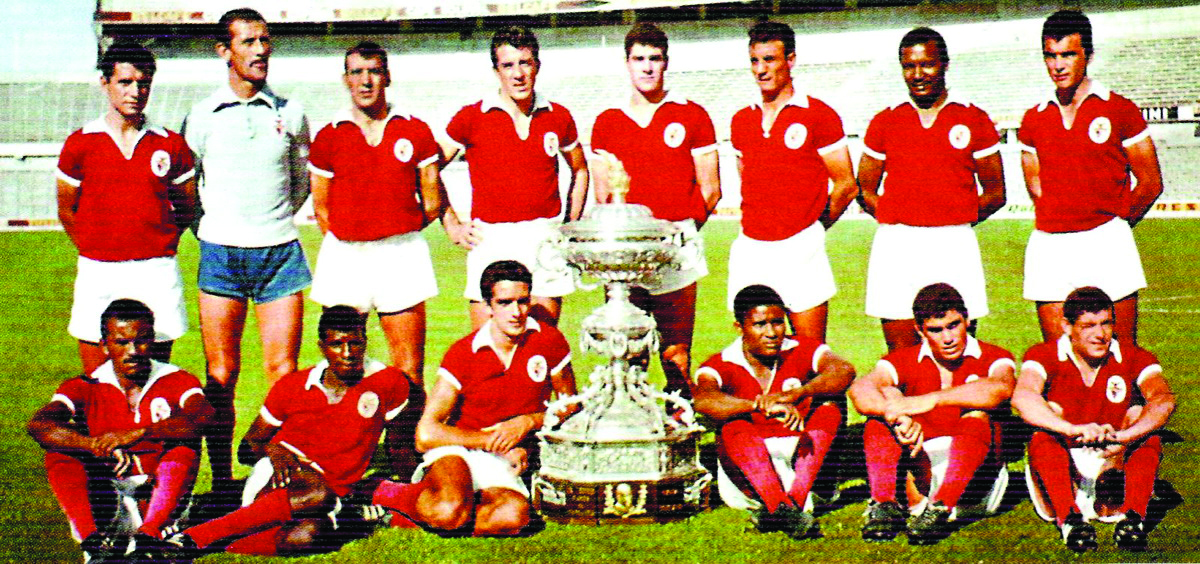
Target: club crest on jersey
1100,130
1115,390
673,134
368,404
550,143
791,384
160,409
795,136
160,163
403,149
537,368
960,136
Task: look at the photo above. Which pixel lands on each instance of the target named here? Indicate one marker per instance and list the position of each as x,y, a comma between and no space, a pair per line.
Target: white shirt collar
347,114
952,97
483,337
106,374
1067,352
226,97
798,99
491,100
973,349
370,366
1095,88
100,125
734,354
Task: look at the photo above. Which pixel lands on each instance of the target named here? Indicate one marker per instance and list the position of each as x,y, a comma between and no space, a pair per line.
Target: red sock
173,478
746,449
271,509
1141,468
821,428
1051,464
968,449
262,543
398,496
883,459
68,478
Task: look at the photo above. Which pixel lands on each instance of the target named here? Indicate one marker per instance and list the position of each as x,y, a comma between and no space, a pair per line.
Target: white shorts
693,265
520,241
905,259
154,282
1105,257
1088,464
390,274
487,470
797,268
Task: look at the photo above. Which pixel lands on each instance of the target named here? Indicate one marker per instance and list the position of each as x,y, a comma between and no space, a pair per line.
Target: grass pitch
39,354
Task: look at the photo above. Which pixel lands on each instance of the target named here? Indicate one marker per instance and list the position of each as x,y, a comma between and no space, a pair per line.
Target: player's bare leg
448,499
405,331
546,310
501,512
222,321
479,314
1126,310
675,314
280,324
1050,316
91,355
900,333
811,322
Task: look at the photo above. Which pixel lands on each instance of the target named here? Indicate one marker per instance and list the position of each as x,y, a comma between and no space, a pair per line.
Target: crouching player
1096,405
915,396
310,445
132,418
765,386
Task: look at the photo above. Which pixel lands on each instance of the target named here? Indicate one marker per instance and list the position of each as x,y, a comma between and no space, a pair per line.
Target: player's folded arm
189,423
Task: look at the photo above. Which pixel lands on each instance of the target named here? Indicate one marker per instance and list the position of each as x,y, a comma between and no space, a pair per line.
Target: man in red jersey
131,416
1078,150
764,387
126,191
1097,405
512,140
668,147
375,184
790,147
933,147
945,387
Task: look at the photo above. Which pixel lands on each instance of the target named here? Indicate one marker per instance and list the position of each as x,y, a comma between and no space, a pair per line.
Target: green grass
38,354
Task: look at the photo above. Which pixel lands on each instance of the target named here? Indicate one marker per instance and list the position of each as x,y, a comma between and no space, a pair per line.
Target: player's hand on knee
506,434
285,464
908,432
124,462
519,458
1091,433
787,414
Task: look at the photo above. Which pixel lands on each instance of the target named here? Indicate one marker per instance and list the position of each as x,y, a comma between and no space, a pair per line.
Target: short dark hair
1069,22
754,296
225,35
1088,299
501,271
648,34
921,36
125,309
343,318
367,50
936,300
763,32
519,37
126,51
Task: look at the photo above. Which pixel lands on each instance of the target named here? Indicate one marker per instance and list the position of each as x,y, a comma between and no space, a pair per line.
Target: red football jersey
914,371
124,210
374,192
930,177
338,438
785,185
1084,170
658,156
491,392
513,179
1117,385
798,363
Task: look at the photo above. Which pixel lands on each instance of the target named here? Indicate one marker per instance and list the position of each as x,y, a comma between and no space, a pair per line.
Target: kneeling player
1095,403
765,386
944,387
311,443
93,434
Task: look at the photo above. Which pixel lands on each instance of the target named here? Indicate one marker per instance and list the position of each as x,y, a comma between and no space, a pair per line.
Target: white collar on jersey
1095,88
671,97
100,125
798,99
734,354
370,366
226,97
952,97
973,349
491,100
105,374
483,337
347,114
1067,352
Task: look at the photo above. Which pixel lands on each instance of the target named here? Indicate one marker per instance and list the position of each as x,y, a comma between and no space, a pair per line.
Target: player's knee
277,368
735,428
507,517
446,511
679,354
299,538
308,493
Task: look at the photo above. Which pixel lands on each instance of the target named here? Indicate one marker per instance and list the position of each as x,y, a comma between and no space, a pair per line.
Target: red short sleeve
73,393
737,126
279,400
827,128
705,134
1026,133
983,132
70,160
600,132
456,365
874,138
459,128
320,153
425,146
569,134
1129,120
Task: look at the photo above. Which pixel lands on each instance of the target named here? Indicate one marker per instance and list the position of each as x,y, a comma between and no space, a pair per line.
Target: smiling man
932,148
948,386
1078,151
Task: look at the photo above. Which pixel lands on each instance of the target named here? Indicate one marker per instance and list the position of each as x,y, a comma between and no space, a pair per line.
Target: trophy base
615,502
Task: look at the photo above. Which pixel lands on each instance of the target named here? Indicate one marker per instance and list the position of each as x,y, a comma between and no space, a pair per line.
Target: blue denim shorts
262,274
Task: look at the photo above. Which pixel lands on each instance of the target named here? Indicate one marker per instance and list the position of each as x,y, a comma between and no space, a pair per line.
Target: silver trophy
630,452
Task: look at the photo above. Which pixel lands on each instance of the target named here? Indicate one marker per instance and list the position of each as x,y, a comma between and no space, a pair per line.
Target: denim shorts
262,274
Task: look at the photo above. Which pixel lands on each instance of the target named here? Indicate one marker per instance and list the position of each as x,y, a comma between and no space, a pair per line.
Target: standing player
1092,400
511,140
919,209
669,149
1078,150
763,386
252,146
789,149
126,191
944,387
131,416
375,185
